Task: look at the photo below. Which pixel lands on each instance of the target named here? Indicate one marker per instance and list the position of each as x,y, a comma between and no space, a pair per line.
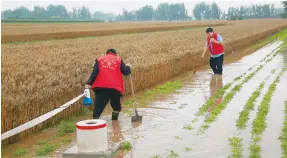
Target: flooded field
242,119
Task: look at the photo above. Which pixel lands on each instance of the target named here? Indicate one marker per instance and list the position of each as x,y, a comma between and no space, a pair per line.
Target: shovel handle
133,92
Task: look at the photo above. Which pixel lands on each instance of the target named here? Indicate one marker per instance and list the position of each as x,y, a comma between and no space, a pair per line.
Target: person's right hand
88,86
129,65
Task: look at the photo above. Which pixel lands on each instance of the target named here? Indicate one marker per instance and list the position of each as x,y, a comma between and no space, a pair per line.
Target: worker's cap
209,30
111,51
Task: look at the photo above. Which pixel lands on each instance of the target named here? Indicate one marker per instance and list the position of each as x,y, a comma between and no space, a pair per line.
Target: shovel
137,117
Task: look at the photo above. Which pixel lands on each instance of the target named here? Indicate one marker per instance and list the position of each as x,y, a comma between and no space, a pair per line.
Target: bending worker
214,43
106,80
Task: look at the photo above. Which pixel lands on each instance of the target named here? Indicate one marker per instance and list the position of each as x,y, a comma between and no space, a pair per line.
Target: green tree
215,11
198,10
223,16
103,16
145,13
285,5
84,13
207,12
22,13
161,12
40,12
7,14
57,11
75,13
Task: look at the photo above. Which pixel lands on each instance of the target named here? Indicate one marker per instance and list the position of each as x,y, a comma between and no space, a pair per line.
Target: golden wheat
37,77
32,32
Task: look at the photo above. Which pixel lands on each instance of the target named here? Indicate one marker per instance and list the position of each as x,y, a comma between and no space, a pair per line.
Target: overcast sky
116,6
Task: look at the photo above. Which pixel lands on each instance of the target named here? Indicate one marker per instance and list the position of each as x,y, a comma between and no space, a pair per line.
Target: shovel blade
137,118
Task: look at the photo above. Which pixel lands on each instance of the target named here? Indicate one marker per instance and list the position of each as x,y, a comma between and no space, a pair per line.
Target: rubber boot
115,115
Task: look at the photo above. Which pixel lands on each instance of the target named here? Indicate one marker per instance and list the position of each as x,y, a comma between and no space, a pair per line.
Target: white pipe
39,119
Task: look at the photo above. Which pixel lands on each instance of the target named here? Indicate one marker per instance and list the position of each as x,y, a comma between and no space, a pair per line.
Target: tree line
54,12
163,12
213,11
284,15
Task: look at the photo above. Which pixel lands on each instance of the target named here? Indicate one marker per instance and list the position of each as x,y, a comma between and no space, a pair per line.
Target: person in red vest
106,81
214,43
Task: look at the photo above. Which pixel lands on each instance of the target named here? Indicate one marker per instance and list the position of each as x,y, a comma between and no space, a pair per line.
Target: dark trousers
216,64
102,96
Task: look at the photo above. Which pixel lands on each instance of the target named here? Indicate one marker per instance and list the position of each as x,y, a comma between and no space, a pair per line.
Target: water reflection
116,135
215,84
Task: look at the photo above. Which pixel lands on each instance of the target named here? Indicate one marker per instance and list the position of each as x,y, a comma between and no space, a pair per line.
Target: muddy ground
171,126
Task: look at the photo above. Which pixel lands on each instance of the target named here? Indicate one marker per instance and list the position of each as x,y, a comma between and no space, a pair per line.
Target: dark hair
209,30
111,51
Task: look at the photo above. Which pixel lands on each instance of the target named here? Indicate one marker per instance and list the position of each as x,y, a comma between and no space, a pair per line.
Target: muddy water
164,132
274,120
162,129
157,135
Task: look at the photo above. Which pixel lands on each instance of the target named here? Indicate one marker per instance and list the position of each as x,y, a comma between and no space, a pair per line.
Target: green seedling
228,98
187,149
283,136
210,102
116,153
188,127
66,127
41,142
67,141
156,156
244,114
128,103
237,147
194,120
180,107
172,154
45,149
126,145
273,71
177,137
259,123
20,152
255,150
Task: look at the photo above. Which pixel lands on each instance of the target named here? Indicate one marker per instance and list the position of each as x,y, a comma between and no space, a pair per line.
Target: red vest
217,48
109,75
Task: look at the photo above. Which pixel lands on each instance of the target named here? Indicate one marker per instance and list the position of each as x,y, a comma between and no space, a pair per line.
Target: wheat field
39,76
30,32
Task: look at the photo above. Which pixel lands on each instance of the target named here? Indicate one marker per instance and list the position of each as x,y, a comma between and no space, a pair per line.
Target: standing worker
214,43
106,80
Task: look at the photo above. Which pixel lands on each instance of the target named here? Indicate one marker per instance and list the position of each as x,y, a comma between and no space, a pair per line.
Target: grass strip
282,35
163,89
217,111
249,106
220,92
237,147
259,123
283,137
234,90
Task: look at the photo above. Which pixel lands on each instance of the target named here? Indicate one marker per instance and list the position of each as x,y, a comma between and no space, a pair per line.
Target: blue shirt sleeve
219,38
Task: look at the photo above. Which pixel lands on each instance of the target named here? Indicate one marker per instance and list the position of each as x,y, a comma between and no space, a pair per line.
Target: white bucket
92,135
